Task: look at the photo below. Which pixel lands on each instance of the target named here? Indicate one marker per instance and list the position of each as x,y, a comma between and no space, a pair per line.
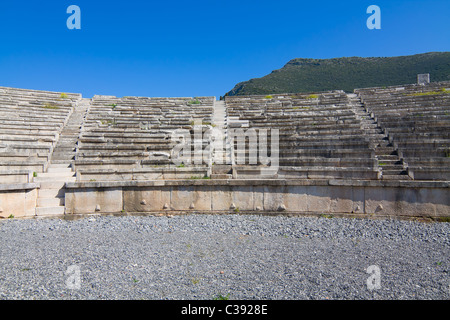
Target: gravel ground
234,256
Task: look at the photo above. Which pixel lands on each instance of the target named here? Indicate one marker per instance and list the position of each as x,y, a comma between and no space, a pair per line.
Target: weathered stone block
145,199
83,201
242,197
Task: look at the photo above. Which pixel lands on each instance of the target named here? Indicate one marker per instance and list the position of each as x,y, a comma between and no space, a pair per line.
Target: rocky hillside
309,75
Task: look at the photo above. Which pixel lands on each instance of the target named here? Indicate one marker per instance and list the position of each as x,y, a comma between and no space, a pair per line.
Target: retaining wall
386,198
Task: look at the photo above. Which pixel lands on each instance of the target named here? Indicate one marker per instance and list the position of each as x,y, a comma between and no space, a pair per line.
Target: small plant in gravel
221,297
11,216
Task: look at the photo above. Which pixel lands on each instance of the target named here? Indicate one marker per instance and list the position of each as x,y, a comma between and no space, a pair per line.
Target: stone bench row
15,176
39,93
321,144
24,165
429,173
15,139
423,136
8,156
285,107
239,172
148,120
414,123
141,174
323,153
408,96
407,109
30,114
166,162
328,162
148,109
423,153
249,172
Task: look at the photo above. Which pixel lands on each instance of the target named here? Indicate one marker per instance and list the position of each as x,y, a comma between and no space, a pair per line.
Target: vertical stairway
391,165
65,149
220,123
50,200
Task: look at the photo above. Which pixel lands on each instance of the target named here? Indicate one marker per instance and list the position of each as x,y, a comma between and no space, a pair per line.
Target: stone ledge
19,186
259,182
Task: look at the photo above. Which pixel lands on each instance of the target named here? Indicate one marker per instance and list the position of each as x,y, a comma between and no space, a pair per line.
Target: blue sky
194,48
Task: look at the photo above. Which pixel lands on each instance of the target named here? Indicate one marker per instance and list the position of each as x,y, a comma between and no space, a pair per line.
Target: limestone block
86,200
318,199
343,199
30,202
296,199
242,197
273,197
184,196
12,203
221,199
146,199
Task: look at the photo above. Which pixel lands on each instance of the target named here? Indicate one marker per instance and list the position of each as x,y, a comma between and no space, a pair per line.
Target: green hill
310,75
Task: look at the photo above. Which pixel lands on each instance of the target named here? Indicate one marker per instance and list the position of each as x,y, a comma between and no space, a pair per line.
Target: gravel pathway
234,256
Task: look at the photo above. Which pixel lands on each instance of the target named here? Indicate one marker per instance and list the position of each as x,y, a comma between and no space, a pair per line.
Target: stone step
50,193
57,169
65,146
50,211
386,157
65,162
56,180
58,174
59,165
396,177
221,176
390,167
65,150
394,172
385,151
66,157
49,202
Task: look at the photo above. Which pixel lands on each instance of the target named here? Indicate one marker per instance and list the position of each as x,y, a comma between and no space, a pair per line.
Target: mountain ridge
300,75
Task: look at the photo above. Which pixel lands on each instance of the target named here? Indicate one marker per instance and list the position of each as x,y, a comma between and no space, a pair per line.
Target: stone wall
384,198
18,200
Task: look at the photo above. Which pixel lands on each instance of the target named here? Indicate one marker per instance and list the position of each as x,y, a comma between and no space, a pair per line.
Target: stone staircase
65,149
388,159
50,200
220,123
